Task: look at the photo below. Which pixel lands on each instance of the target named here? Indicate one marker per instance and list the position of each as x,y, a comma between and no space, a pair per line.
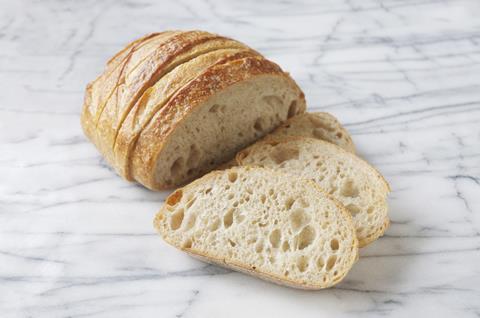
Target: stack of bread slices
294,211
289,201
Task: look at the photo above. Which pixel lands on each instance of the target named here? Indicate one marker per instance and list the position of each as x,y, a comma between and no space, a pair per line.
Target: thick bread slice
101,89
264,223
224,109
175,51
157,96
320,126
349,179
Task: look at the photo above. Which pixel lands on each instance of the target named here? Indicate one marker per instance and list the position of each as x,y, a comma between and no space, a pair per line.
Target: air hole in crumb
370,210
214,225
353,209
285,246
230,196
176,167
251,240
232,176
349,189
263,198
232,243
214,108
334,245
331,262
320,263
177,219
193,156
207,191
284,152
240,134
292,109
190,221
303,202
175,197
339,135
239,218
289,202
302,263
259,247
305,237
259,124
273,101
359,231
275,237
228,219
298,218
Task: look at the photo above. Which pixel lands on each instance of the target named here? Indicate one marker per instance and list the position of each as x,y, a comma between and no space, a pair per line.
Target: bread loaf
173,105
349,179
263,223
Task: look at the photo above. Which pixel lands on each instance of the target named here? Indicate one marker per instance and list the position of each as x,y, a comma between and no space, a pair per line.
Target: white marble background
404,77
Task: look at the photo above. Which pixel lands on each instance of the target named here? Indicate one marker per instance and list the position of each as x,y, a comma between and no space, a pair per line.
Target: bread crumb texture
262,222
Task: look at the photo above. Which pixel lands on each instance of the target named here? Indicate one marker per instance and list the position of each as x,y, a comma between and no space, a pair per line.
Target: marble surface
403,76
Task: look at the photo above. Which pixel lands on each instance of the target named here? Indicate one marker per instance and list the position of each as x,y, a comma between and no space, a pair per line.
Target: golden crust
212,81
176,50
100,90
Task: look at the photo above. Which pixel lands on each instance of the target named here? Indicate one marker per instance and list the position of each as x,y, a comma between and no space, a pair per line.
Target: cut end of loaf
226,123
263,223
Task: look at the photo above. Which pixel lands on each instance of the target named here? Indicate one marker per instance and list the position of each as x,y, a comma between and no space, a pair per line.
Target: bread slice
263,223
321,126
349,179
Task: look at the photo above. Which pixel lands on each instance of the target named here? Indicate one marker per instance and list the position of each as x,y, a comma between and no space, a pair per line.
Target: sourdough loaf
173,105
263,223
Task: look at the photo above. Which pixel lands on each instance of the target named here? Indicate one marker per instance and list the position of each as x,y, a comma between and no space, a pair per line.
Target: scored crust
133,125
144,76
101,89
